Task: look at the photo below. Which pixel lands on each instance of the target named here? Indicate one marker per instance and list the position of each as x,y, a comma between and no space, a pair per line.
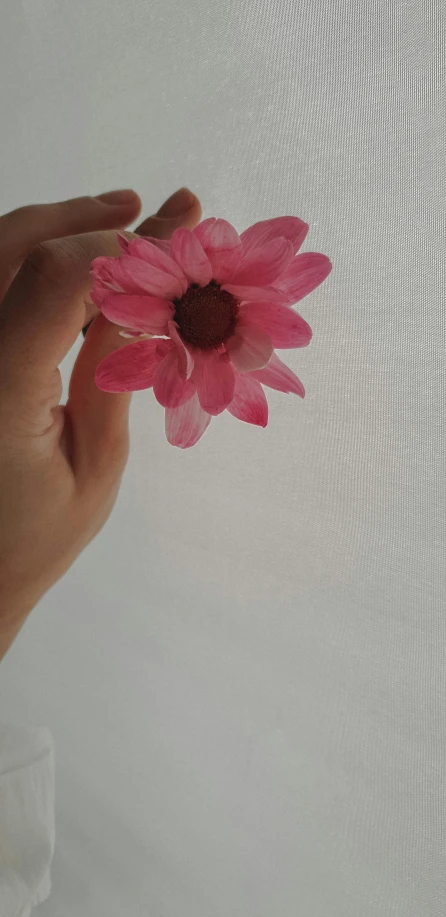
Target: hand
60,465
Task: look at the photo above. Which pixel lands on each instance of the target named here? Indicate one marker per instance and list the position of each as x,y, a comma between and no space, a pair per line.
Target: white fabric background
27,818
245,674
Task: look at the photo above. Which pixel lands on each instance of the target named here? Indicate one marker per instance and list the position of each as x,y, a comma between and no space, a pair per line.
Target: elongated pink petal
290,228
249,402
285,327
151,254
217,235
250,348
303,275
203,230
102,269
279,376
221,242
98,294
264,264
149,314
185,358
108,274
255,294
168,386
187,251
162,244
149,279
131,368
224,264
123,242
214,378
186,424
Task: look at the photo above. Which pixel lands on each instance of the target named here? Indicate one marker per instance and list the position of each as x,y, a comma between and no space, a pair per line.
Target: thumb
99,420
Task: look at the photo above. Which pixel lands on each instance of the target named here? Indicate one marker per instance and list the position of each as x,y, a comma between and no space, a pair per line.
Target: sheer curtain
244,675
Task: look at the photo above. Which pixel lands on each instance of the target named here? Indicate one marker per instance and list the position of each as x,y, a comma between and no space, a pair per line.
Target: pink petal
303,275
255,294
151,254
279,376
185,358
102,269
249,402
108,274
224,264
123,243
290,228
250,348
285,327
186,424
129,333
131,368
264,264
98,294
189,254
217,235
149,279
168,386
162,244
149,314
222,245
214,378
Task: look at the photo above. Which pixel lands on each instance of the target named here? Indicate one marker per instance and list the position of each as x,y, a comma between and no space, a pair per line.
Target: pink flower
216,306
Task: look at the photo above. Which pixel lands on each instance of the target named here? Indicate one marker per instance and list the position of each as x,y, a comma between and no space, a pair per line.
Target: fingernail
177,204
116,198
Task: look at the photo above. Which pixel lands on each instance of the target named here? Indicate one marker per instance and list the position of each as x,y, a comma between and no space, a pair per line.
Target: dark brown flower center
206,316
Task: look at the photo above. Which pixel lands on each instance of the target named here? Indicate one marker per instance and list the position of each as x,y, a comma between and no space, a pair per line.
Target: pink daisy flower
216,306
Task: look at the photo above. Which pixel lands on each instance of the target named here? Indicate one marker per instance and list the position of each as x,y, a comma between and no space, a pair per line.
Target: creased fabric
27,819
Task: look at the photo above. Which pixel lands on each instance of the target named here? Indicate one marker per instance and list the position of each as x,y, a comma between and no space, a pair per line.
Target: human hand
60,465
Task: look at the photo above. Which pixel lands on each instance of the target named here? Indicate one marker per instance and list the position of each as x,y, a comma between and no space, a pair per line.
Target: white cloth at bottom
27,824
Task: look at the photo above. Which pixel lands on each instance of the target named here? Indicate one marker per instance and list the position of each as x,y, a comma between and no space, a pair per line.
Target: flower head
215,305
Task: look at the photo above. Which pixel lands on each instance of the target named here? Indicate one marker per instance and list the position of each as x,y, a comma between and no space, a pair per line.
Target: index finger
27,227
33,325
42,316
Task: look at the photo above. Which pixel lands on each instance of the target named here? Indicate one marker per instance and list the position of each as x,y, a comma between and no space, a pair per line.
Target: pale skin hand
60,466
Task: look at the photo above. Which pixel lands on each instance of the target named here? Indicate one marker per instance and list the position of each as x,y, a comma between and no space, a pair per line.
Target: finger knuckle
75,205
25,213
43,257
13,224
48,262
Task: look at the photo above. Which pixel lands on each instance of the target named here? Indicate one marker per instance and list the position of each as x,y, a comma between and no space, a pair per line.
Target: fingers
26,228
181,209
100,419
48,304
41,317
46,307
35,330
